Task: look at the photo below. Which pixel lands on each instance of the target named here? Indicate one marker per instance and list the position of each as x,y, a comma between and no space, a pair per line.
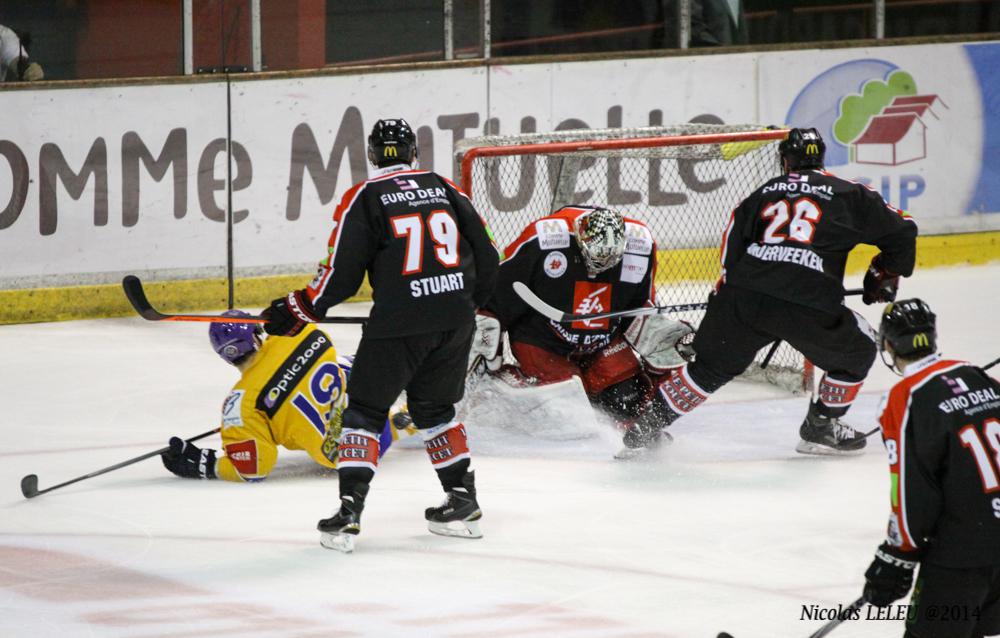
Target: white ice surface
729,529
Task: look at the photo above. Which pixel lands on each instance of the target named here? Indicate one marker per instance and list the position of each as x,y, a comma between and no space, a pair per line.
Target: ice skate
640,442
648,433
459,514
338,531
825,435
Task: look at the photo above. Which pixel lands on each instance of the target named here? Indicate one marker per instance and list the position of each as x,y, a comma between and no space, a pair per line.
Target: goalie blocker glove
288,315
187,460
889,577
486,341
880,285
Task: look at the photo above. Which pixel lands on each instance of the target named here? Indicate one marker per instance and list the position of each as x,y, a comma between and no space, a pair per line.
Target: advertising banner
95,182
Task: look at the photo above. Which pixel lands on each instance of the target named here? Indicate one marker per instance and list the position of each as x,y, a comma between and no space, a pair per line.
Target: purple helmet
234,341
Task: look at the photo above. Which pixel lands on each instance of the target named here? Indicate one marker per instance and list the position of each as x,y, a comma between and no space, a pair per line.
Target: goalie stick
137,297
29,484
555,314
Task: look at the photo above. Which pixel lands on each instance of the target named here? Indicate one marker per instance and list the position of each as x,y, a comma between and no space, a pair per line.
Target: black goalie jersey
941,427
546,258
791,237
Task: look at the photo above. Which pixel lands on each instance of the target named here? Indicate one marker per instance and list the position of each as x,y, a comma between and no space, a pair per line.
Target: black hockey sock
350,477
451,476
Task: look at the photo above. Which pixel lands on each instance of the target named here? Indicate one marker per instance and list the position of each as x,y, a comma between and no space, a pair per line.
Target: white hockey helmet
600,234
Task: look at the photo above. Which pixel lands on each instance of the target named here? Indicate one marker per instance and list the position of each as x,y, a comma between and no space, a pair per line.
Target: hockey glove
288,315
660,342
187,460
889,577
486,342
880,285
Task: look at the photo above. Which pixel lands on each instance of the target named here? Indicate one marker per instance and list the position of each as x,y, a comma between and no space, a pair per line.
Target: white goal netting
681,181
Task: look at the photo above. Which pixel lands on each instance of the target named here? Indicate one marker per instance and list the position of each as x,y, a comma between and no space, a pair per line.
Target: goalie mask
235,341
909,327
600,235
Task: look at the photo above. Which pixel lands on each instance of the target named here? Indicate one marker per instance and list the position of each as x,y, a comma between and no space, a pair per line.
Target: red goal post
682,181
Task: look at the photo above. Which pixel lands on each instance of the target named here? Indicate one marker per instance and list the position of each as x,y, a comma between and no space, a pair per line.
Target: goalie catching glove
662,343
187,460
288,315
486,341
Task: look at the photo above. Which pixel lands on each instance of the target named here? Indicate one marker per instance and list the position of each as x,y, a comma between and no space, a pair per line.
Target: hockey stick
29,484
137,297
846,614
559,316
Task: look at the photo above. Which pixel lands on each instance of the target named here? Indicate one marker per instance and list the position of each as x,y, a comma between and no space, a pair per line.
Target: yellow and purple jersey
288,396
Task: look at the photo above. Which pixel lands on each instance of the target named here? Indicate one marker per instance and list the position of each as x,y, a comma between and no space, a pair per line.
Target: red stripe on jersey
724,249
446,445
357,448
893,421
456,187
531,232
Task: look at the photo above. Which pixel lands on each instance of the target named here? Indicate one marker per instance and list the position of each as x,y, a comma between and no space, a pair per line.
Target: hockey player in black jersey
941,428
591,260
783,256
431,262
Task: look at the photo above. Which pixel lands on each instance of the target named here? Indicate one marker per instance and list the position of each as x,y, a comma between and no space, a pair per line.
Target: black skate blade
29,485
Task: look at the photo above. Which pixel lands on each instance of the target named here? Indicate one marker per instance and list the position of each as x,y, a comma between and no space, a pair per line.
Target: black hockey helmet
392,142
803,148
909,327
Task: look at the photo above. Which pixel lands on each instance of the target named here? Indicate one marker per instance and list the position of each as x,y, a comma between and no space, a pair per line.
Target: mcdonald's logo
390,151
921,340
812,149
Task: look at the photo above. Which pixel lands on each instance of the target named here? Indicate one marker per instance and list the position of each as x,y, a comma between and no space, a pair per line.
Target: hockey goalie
590,260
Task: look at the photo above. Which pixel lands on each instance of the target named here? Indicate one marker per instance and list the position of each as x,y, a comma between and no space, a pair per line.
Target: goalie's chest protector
560,278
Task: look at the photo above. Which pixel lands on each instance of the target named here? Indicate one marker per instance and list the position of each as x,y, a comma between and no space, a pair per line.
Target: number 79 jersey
941,428
791,237
427,253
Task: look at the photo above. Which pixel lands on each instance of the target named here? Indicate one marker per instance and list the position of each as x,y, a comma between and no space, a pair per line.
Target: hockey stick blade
559,316
136,296
29,485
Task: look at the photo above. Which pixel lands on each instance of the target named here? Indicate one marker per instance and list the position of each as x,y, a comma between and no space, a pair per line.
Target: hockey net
681,181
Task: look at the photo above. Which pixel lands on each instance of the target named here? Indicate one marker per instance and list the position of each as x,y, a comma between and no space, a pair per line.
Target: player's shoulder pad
638,237
553,232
